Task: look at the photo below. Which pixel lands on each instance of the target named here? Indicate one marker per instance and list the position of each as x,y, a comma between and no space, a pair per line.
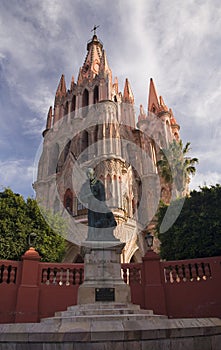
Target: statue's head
90,173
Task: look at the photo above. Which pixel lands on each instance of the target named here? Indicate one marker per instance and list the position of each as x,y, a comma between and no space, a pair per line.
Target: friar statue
101,221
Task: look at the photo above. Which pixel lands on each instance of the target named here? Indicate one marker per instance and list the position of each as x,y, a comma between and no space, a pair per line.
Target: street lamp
31,238
149,240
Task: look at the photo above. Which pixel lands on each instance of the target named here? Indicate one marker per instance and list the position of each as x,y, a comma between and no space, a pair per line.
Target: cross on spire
94,29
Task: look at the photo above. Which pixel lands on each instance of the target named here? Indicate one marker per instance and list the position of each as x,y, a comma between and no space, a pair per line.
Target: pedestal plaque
102,274
104,294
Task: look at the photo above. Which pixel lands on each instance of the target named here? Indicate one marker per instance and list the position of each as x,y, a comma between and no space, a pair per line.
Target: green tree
19,218
174,165
197,230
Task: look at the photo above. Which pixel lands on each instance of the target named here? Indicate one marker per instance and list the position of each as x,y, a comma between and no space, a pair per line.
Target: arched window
85,102
96,94
66,108
73,103
85,99
68,201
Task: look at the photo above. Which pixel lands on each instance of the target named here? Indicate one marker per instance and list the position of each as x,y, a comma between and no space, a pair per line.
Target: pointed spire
115,85
163,106
142,115
153,101
49,119
104,67
128,94
80,77
61,90
72,83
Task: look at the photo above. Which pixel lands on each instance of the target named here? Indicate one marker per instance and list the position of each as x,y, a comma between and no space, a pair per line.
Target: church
95,125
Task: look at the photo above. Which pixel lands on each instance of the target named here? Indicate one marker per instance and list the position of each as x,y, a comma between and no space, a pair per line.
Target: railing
187,272
55,274
8,271
30,289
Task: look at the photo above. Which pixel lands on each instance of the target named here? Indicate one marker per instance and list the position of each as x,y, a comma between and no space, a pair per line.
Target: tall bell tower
94,125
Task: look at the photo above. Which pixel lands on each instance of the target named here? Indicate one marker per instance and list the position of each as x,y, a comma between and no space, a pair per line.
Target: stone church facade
95,125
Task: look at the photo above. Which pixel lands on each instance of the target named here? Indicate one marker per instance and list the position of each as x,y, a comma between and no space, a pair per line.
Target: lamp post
31,238
149,241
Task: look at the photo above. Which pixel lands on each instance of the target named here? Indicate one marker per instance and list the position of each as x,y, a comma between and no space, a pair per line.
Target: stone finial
153,101
31,254
61,90
72,83
49,119
128,94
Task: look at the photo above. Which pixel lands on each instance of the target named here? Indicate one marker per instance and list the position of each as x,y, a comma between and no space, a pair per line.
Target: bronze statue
101,221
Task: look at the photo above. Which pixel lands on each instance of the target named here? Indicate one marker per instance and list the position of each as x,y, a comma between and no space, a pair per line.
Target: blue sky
177,43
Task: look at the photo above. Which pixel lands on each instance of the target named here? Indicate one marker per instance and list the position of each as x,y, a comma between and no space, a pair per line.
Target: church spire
128,94
153,100
93,58
61,90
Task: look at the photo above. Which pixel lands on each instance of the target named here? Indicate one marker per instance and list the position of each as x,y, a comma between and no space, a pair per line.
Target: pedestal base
102,274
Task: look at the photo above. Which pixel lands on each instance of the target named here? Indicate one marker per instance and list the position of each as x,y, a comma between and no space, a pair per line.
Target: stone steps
101,312
101,318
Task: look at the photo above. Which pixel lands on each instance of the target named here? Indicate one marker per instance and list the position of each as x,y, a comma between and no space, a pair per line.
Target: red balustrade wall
31,290
193,287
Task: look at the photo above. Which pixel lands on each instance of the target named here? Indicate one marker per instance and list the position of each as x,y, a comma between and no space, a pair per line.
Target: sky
176,42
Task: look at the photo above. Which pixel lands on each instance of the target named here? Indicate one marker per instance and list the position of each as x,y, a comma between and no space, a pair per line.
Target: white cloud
207,178
177,43
18,175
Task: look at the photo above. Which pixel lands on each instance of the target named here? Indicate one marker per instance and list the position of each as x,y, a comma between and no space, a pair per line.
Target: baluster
44,276
173,274
68,277
167,274
51,276
200,272
56,279
186,273
12,275
180,273
207,271
71,277
193,272
61,277
64,277
5,274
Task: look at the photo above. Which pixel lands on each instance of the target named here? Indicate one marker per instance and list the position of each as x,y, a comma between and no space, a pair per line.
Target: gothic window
85,102
66,109
68,201
73,103
96,94
85,98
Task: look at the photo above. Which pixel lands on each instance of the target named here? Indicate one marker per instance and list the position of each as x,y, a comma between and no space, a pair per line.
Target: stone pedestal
102,274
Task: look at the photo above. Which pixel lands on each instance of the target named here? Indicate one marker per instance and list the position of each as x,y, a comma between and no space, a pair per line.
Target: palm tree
174,166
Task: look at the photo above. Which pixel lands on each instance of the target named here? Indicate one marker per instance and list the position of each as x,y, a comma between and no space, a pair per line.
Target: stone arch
96,94
73,103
